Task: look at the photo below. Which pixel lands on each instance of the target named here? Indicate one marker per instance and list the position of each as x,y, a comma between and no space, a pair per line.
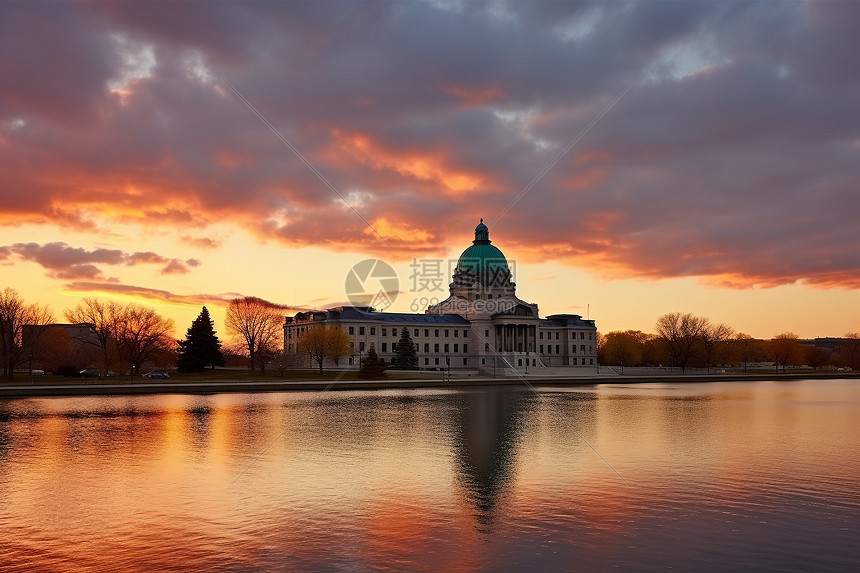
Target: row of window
549,335
436,347
426,362
558,349
415,332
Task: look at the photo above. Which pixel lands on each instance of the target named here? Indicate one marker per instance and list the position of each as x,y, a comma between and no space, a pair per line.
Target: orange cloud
475,96
423,165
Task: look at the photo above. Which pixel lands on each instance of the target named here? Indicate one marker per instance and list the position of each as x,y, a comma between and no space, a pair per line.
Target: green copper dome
482,257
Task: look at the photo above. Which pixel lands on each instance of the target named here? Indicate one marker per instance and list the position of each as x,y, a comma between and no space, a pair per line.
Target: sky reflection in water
719,476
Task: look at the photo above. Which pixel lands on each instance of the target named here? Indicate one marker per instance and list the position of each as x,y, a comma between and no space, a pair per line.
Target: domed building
482,327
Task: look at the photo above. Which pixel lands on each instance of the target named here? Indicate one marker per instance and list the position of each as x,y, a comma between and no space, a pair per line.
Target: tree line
683,340
126,338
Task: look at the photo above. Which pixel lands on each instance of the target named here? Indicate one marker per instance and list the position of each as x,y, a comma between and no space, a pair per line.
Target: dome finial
482,233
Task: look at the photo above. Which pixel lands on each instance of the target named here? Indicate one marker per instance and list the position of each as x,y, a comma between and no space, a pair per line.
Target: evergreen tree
372,367
201,347
405,355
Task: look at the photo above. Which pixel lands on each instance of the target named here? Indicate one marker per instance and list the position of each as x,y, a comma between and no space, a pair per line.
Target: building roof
560,320
366,313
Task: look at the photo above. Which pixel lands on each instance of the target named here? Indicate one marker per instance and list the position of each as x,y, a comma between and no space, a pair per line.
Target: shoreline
218,387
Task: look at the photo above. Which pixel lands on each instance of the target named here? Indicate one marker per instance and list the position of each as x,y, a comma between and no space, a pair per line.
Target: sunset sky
725,180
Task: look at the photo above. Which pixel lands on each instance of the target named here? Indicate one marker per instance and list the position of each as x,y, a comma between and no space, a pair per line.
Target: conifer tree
201,347
372,367
405,356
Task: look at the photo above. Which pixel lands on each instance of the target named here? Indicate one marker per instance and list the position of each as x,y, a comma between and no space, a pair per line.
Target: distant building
482,326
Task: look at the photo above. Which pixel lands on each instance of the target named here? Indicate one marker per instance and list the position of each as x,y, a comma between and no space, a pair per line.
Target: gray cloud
66,262
733,157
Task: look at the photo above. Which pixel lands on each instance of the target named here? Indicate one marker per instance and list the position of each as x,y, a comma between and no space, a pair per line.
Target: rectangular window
541,335
556,337
426,347
361,330
352,330
591,360
456,348
384,332
573,349
361,347
465,362
549,349
436,333
589,336
372,331
436,347
385,347
437,361
541,348
556,349
486,347
446,349
575,361
465,347
465,333
456,333
352,347
582,348
483,361
426,362
415,332
582,336
446,333
486,334
426,332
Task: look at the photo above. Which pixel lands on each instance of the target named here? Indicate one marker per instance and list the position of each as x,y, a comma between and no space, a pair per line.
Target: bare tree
818,357
849,351
323,342
682,332
712,335
748,349
141,335
621,349
15,315
102,319
786,350
259,323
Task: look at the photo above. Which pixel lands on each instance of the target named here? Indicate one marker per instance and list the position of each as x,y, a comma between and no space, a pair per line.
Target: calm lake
695,477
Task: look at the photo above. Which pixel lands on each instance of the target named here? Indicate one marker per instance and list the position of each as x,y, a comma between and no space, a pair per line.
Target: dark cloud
150,293
66,262
732,158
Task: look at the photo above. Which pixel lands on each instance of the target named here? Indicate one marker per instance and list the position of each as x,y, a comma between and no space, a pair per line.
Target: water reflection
747,476
489,425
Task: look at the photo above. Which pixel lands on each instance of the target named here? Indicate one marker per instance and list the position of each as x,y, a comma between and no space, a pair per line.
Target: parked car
160,374
90,373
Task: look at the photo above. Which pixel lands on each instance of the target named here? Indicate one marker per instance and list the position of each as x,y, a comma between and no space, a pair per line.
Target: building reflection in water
488,424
